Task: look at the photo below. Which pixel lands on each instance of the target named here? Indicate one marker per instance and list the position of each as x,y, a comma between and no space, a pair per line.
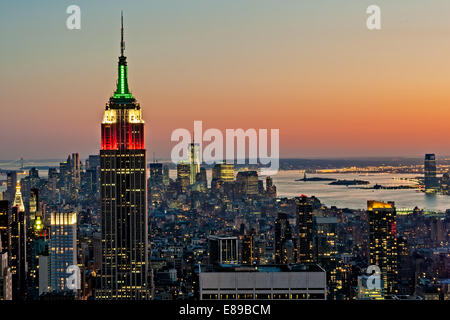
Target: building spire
18,198
122,91
122,42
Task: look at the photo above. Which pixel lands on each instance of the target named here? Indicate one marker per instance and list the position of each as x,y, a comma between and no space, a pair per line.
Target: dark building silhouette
18,250
283,239
304,229
11,182
5,228
248,248
156,174
431,181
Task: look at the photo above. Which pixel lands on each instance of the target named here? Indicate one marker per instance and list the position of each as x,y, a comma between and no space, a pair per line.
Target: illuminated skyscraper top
123,193
122,91
123,125
18,198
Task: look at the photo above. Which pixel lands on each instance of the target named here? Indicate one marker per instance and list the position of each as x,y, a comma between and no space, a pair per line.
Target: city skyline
116,224
210,61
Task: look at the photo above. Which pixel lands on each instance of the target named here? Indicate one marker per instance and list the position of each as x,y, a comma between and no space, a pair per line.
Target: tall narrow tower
124,272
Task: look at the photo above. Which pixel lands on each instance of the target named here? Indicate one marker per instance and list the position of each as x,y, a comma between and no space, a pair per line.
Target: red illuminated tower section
124,273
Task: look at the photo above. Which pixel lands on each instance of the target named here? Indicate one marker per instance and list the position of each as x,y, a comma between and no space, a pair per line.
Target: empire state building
124,272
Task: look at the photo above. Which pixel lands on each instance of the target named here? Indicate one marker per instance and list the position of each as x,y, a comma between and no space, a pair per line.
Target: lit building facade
183,175
383,243
223,172
123,193
62,248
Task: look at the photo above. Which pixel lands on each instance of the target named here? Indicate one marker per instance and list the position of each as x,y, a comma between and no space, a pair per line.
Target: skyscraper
62,249
383,242
326,251
304,229
11,182
155,185
4,224
183,175
18,246
247,182
223,172
284,249
430,172
156,174
5,276
194,161
123,193
248,248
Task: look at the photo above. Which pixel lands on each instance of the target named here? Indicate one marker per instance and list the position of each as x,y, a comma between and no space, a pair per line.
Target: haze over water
355,197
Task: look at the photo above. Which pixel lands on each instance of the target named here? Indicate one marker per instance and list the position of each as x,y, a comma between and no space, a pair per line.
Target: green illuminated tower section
123,192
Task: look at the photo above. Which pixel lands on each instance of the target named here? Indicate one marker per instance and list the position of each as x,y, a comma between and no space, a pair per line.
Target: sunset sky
309,68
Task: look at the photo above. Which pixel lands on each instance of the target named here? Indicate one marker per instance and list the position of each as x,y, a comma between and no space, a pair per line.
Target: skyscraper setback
124,273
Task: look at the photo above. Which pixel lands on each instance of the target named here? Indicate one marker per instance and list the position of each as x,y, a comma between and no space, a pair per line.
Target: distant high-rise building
223,250
155,185
304,229
75,169
93,162
431,182
202,179
166,178
5,227
271,189
156,174
326,252
284,247
123,194
247,182
5,276
11,183
62,248
52,183
383,242
183,175
194,162
18,246
406,270
248,254
223,172
33,204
